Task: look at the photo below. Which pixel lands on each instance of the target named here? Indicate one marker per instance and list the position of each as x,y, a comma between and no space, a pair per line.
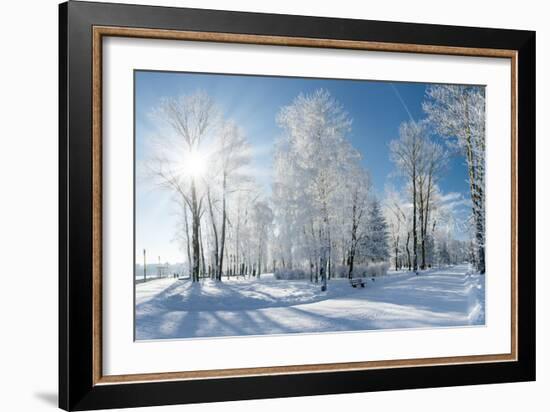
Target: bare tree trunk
260,241
196,222
353,245
188,240
480,242
427,214
215,231
396,252
408,251
237,253
203,262
423,215
325,249
351,257
323,268
329,271
224,218
319,260
415,238
309,255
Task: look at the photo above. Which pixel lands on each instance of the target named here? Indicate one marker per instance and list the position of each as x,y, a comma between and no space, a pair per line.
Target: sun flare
195,164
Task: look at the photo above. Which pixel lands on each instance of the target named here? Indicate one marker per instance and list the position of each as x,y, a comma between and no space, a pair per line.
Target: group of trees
438,244
420,161
202,159
456,114
322,216
325,212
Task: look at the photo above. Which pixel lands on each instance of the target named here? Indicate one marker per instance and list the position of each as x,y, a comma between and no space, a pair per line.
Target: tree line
322,216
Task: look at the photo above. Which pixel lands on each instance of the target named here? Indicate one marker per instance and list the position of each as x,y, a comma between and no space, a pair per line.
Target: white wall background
28,204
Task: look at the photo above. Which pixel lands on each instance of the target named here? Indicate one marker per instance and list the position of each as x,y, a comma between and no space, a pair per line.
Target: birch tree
232,155
458,114
407,152
357,188
433,161
397,224
187,122
183,235
288,197
262,221
315,127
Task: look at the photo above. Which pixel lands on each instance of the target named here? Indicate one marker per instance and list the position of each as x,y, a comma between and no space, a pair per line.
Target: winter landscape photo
281,205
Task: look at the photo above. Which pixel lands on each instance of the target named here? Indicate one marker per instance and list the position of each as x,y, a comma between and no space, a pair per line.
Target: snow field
171,308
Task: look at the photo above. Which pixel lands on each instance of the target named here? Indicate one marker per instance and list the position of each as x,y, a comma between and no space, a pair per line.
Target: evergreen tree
375,246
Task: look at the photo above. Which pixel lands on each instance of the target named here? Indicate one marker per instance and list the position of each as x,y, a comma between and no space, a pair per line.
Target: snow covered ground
171,308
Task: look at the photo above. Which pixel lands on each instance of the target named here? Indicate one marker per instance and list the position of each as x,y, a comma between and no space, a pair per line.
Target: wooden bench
357,282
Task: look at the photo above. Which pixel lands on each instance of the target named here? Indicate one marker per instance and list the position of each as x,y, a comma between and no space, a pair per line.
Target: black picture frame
77,390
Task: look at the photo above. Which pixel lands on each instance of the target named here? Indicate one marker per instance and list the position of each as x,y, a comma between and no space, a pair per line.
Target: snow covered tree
262,221
375,247
289,202
432,162
375,244
241,242
320,217
398,225
357,190
317,155
186,123
458,114
202,159
183,236
407,153
232,154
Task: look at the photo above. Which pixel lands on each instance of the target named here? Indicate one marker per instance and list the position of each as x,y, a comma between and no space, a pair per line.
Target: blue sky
377,110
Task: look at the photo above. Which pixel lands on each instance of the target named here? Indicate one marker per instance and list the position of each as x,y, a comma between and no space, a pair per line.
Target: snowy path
168,308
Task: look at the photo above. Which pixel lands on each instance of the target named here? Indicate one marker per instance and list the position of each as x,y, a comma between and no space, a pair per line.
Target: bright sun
195,164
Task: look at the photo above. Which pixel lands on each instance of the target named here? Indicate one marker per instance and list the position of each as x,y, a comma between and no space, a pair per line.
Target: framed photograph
257,205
